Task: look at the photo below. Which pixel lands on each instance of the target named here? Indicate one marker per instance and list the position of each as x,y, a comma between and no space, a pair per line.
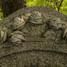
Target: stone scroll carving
33,24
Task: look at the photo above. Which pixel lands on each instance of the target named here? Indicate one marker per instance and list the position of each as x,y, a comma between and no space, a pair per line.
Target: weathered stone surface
38,39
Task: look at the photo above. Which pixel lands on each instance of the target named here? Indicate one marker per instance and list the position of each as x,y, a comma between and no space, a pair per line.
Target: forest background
58,5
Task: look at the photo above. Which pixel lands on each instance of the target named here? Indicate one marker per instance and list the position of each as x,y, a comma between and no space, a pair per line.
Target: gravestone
34,37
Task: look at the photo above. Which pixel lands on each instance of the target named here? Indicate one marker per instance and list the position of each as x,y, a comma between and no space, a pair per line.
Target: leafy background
49,3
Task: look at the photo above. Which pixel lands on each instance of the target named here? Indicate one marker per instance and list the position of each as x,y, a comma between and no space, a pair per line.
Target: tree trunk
10,6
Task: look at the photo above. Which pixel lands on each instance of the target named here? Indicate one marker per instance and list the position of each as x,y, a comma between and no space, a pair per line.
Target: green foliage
59,5
64,7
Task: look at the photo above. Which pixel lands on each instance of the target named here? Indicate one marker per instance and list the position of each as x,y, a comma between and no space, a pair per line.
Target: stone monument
34,37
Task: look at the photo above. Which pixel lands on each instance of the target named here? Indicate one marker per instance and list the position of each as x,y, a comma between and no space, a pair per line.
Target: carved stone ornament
34,37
